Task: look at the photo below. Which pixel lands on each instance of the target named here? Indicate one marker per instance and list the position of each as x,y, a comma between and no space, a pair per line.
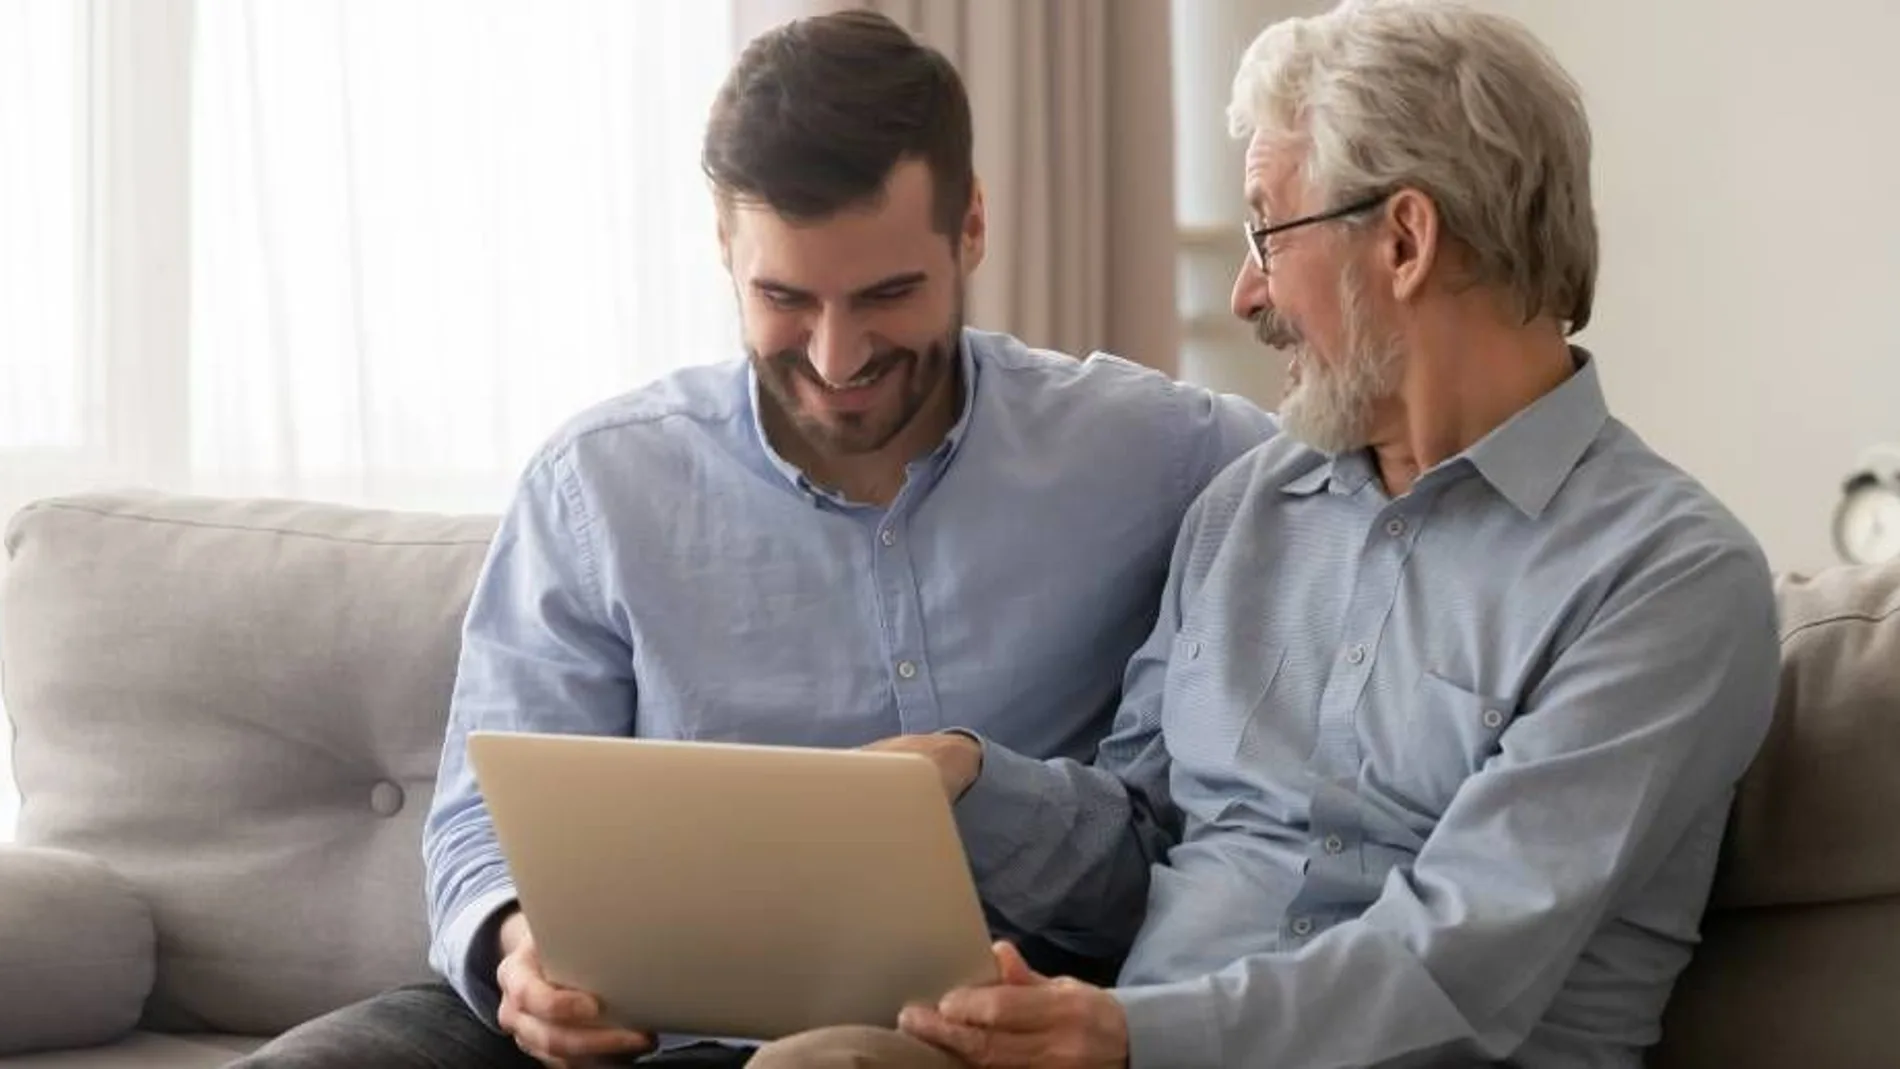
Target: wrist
511,930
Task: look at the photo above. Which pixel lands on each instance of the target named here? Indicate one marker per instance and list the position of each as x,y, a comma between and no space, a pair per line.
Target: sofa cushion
1813,820
145,1050
75,951
1800,959
1804,986
239,706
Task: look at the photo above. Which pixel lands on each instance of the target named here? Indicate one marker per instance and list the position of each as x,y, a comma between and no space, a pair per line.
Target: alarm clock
1867,520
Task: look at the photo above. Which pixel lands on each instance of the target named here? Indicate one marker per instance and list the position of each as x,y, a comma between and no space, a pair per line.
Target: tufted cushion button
386,799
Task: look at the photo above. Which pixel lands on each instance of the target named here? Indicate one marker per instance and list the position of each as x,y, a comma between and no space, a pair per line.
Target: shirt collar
1526,458
966,359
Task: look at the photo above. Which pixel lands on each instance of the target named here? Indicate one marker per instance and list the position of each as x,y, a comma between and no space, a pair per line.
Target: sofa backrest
1800,963
239,705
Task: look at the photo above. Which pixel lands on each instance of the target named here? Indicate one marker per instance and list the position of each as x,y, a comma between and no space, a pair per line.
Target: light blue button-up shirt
1428,780
662,572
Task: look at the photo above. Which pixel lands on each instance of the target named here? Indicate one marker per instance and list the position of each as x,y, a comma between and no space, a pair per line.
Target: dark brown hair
816,113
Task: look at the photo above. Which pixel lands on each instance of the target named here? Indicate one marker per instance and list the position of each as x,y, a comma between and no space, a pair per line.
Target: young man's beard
1330,407
920,374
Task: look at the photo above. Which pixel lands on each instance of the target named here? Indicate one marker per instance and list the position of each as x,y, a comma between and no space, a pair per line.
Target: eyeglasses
1257,235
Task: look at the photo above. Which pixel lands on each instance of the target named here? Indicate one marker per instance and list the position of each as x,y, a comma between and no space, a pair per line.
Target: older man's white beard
1330,407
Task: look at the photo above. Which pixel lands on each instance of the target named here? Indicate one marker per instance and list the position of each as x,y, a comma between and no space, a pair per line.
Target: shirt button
1303,927
1395,527
1493,719
906,669
1335,845
1356,654
887,536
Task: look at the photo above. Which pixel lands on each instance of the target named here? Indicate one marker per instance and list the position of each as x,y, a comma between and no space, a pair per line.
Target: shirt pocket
1214,690
1447,735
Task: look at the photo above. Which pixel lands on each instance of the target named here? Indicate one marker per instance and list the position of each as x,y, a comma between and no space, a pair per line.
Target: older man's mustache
1275,330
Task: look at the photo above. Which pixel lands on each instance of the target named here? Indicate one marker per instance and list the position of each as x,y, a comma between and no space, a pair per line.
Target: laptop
730,890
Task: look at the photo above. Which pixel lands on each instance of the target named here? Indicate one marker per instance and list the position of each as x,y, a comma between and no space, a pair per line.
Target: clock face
1867,524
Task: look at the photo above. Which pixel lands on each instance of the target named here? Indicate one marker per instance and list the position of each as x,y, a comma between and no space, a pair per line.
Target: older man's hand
959,758
1025,1020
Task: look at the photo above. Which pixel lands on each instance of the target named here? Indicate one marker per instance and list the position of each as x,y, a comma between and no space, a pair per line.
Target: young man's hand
553,1024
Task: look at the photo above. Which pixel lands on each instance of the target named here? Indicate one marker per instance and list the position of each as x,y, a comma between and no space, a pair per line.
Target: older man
1428,757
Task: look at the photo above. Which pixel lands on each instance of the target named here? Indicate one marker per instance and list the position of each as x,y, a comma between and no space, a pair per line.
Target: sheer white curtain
424,231
41,139
369,251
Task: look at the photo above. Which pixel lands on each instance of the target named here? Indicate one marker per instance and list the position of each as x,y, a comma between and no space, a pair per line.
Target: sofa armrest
77,951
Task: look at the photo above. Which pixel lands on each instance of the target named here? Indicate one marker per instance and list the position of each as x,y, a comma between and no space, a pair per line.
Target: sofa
227,716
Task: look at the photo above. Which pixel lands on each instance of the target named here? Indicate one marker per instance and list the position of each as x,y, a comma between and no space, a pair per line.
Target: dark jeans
429,1027
1051,960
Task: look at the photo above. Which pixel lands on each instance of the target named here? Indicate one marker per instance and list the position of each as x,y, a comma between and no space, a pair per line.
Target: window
40,95
369,251
424,233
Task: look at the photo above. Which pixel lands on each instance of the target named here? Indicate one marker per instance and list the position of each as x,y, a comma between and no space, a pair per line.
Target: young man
881,522
1429,756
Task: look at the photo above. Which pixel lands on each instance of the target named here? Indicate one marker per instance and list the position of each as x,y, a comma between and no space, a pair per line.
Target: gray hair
1464,106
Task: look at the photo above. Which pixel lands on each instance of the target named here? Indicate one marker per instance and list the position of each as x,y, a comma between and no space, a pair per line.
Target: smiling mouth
869,376
860,382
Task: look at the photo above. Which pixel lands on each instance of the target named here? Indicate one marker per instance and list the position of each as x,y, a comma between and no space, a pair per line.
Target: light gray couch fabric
238,706
76,951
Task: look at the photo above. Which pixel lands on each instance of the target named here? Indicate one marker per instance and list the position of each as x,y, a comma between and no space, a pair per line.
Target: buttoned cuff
1171,1026
469,954
997,816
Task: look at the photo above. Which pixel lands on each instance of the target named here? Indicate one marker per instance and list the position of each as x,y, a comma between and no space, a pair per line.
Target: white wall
1747,161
